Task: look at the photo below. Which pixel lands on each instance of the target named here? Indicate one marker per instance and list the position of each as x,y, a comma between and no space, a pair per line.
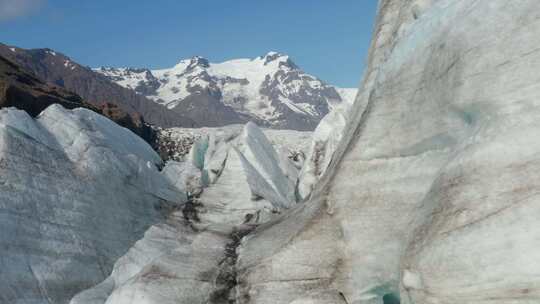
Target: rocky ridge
270,90
76,191
21,89
55,68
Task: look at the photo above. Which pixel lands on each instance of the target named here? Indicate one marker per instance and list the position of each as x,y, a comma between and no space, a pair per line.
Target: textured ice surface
433,197
286,148
190,257
325,141
294,141
184,176
231,196
76,191
262,165
172,263
198,151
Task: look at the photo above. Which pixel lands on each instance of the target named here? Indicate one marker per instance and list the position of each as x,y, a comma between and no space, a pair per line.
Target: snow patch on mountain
270,90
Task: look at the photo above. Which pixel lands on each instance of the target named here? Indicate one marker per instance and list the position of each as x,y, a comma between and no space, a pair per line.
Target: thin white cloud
12,9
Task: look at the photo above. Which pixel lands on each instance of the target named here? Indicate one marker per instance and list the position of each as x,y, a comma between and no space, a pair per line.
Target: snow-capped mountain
270,90
53,67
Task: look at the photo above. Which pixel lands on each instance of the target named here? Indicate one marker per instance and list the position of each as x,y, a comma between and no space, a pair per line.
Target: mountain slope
270,90
58,69
24,91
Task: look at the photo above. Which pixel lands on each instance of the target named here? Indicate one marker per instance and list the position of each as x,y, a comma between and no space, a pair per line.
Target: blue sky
326,38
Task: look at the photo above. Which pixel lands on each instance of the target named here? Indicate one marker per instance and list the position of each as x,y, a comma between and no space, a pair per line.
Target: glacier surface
190,257
432,197
426,192
76,191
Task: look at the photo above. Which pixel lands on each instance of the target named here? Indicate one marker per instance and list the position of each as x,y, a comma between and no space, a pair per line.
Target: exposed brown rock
57,69
24,91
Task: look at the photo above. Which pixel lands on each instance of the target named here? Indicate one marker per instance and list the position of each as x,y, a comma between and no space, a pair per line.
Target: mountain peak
199,61
273,53
269,89
191,63
49,51
280,58
272,56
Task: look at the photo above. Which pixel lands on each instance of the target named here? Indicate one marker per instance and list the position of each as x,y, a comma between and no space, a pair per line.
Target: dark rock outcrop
58,69
24,91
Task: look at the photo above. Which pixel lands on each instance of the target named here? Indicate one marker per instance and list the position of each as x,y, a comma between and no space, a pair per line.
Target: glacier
76,190
190,256
92,215
262,166
325,141
424,190
432,194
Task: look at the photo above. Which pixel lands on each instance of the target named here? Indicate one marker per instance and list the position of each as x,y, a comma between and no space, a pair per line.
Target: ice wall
433,194
76,191
190,257
325,141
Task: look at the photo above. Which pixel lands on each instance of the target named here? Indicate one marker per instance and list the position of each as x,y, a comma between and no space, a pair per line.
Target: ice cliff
324,143
431,196
90,214
76,190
